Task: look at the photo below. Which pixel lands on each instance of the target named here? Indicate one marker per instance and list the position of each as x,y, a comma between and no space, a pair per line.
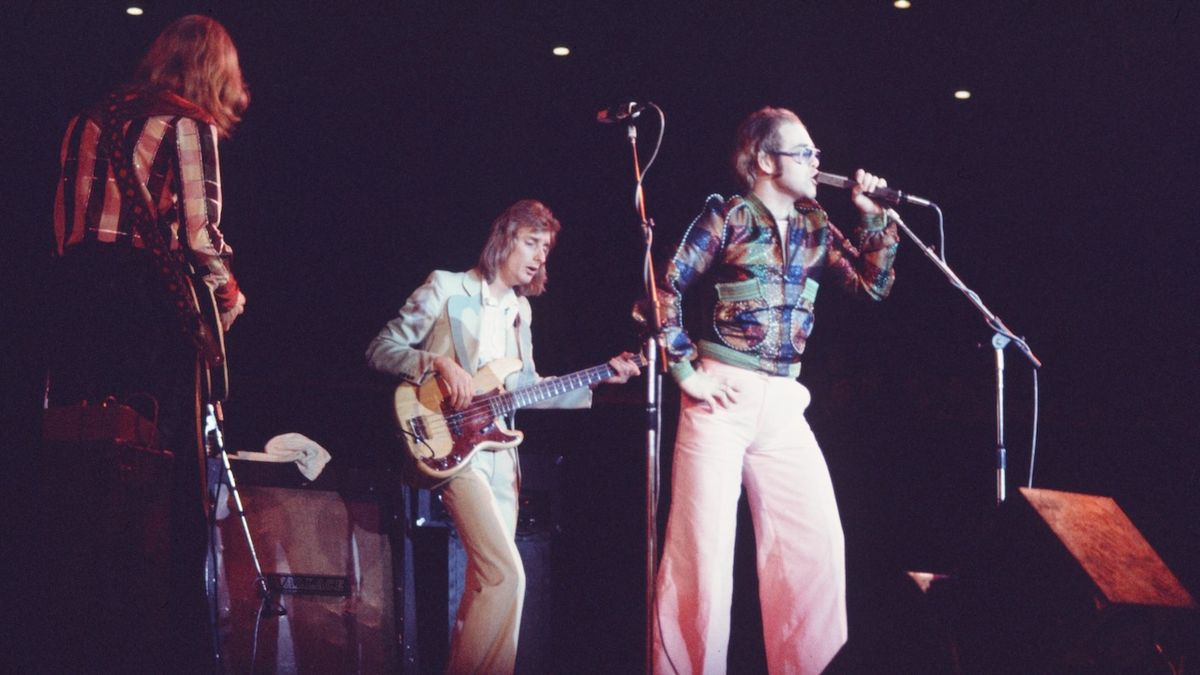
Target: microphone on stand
885,195
624,111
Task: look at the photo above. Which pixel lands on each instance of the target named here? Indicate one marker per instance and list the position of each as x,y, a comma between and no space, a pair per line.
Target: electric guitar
441,439
214,370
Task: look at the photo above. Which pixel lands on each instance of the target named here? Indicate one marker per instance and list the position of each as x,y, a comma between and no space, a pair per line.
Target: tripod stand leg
214,442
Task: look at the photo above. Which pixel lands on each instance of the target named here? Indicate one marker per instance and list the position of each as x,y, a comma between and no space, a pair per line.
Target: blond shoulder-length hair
195,58
756,134
527,213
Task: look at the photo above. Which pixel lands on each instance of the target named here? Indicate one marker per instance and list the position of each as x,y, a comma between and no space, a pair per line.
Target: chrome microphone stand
1001,338
655,363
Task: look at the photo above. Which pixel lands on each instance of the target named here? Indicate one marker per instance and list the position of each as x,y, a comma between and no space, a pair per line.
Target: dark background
384,137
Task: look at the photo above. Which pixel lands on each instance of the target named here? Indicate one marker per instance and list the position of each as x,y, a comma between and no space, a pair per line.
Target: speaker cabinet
327,555
1066,583
439,569
100,592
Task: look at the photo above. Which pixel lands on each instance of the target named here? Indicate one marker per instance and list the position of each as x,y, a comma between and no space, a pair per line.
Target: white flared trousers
764,443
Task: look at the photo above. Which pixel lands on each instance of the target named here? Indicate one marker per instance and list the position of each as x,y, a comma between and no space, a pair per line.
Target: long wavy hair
758,133
526,213
195,58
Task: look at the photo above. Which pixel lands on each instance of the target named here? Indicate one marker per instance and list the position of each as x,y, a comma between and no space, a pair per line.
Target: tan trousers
482,499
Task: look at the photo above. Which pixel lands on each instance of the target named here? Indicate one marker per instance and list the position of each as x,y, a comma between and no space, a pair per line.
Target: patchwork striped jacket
759,298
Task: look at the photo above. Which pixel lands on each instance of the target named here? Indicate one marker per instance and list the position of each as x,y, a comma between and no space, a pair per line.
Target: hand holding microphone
866,184
877,190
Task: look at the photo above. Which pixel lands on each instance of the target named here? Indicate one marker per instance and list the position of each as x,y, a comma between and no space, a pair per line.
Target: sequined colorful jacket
760,309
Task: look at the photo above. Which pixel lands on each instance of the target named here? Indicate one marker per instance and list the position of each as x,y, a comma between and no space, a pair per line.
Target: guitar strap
136,206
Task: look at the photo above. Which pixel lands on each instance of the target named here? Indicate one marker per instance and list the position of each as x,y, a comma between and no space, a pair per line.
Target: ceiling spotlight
962,94
561,50
901,4
134,10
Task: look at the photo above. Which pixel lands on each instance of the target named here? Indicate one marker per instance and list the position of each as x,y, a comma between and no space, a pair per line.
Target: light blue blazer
442,318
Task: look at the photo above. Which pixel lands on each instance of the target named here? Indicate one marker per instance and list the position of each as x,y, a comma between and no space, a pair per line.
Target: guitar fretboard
503,404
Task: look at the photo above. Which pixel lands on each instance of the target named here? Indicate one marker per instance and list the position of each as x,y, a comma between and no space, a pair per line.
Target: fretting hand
625,366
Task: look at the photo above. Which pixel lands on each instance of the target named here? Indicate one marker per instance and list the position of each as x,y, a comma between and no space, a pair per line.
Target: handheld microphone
626,110
885,195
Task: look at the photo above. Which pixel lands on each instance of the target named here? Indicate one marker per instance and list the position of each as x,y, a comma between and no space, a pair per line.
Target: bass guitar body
440,439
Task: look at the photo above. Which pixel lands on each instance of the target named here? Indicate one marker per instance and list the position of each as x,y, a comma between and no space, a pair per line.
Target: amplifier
327,556
108,422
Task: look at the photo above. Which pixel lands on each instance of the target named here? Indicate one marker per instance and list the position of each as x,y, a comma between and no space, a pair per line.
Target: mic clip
622,112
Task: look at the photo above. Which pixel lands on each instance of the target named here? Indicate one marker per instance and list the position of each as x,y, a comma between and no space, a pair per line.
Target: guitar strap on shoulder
136,206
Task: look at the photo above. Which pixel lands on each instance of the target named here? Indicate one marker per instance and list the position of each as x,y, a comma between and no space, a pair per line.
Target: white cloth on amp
310,458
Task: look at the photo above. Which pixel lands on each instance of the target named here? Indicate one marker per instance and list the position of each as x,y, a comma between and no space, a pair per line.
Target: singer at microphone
755,263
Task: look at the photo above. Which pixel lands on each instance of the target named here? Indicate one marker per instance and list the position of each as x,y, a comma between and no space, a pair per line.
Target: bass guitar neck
441,439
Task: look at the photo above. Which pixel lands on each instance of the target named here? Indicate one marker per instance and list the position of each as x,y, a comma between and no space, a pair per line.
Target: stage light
901,4
962,94
561,50
134,10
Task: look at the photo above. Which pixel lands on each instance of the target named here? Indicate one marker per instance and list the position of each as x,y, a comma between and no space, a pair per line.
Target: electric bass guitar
441,439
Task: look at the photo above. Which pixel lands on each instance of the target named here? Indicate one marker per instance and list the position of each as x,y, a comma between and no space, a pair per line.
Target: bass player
450,327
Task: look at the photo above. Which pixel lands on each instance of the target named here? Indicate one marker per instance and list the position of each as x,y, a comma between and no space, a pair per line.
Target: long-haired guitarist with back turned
447,331
136,217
